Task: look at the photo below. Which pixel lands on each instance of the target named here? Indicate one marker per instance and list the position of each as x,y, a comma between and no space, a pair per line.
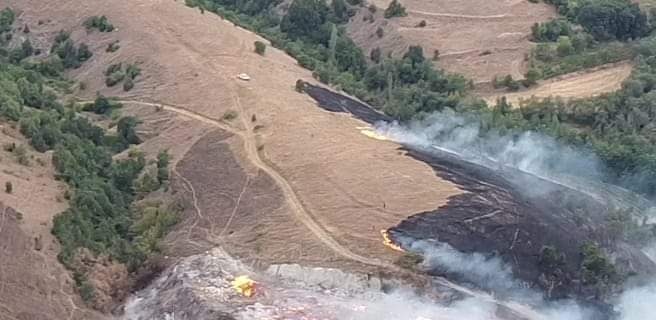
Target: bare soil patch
479,39
33,284
589,83
337,183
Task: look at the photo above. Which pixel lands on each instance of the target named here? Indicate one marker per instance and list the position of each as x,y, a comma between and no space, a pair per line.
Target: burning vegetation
244,285
387,240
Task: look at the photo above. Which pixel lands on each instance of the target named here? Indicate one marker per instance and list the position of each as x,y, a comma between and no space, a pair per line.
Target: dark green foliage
102,105
340,11
101,23
126,130
306,19
612,19
375,55
551,30
550,259
65,49
260,47
163,160
7,17
115,74
606,19
132,71
596,268
395,9
87,291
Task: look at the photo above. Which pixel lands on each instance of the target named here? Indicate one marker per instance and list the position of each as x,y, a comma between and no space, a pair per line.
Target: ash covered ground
511,210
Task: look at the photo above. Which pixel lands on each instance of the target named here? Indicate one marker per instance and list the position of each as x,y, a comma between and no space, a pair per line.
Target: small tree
9,187
380,32
260,47
300,85
395,9
375,55
565,47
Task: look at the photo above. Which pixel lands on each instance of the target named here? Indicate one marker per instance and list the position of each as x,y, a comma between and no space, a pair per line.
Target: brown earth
297,184
33,285
477,38
583,84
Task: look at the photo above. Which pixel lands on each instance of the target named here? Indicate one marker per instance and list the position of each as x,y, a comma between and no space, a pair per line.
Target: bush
395,9
128,84
380,32
229,115
260,47
300,86
9,187
421,24
113,46
101,23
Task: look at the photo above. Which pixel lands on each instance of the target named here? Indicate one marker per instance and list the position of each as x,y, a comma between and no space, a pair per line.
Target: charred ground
513,215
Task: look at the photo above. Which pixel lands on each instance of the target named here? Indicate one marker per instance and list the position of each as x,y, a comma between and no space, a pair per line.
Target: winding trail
253,155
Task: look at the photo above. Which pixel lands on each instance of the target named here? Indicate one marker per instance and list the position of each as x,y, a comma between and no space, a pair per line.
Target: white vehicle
244,77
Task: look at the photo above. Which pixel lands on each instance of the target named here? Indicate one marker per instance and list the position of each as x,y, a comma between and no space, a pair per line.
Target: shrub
421,24
9,187
113,46
380,32
395,9
132,71
260,47
300,86
128,84
101,23
20,152
229,115
375,55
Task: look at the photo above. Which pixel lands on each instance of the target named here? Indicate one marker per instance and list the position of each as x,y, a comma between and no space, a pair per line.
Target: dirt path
462,16
251,149
586,84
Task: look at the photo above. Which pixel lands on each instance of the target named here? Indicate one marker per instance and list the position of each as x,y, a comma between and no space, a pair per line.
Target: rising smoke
530,152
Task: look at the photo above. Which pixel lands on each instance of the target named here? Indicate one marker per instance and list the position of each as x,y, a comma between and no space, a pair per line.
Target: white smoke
638,303
404,304
491,273
531,152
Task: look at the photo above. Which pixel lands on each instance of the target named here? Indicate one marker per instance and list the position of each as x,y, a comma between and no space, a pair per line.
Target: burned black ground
509,214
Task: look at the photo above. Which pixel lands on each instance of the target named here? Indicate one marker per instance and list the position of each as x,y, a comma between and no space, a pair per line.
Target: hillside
294,183
479,39
219,149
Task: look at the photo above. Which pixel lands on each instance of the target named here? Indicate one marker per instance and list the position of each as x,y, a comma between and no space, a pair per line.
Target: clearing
588,83
479,39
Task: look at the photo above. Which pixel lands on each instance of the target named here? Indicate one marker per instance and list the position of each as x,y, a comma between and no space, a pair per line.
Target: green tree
260,47
126,130
565,47
340,11
395,9
305,19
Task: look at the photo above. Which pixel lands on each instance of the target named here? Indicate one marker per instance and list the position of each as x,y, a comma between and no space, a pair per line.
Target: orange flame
388,241
244,286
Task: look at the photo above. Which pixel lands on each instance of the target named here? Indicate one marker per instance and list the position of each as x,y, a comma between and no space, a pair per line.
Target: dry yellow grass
577,85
